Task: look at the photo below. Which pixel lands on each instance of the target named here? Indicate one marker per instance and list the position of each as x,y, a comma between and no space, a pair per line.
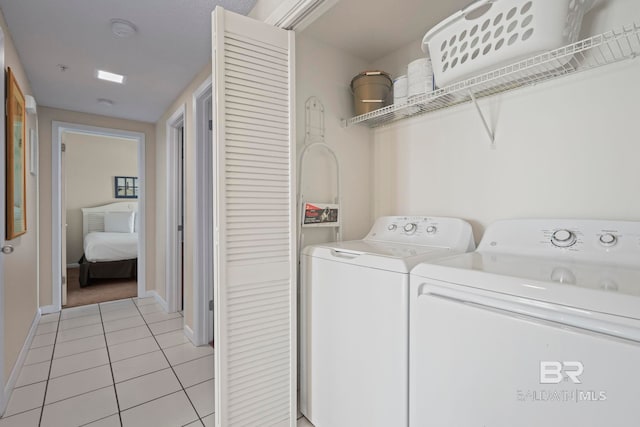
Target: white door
63,216
474,361
5,245
254,229
209,211
181,201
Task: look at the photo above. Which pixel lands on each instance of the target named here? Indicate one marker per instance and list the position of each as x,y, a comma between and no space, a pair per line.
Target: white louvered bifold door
255,289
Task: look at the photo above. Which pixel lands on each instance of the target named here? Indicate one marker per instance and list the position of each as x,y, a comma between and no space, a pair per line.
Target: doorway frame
203,221
174,122
57,129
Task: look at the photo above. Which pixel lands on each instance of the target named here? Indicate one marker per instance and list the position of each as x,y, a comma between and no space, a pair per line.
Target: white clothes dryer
539,327
354,319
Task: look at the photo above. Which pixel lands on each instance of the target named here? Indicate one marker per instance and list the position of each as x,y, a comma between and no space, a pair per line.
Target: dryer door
474,363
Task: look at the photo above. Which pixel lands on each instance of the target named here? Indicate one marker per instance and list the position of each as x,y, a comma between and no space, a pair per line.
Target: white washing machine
539,327
354,349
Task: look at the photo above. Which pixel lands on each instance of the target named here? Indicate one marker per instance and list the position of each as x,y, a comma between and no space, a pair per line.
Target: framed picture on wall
15,160
126,187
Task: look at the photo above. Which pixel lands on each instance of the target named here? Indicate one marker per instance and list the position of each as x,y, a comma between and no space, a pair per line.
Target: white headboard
93,218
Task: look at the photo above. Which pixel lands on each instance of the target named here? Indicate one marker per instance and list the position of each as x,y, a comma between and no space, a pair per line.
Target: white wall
92,162
566,148
325,72
20,268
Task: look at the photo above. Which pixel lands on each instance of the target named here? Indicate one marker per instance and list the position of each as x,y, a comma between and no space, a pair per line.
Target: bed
110,241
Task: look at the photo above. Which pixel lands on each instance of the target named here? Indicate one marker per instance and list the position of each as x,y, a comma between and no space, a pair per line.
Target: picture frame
16,159
125,187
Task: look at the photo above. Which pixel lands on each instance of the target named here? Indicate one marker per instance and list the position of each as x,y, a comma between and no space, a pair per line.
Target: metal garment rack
593,52
314,141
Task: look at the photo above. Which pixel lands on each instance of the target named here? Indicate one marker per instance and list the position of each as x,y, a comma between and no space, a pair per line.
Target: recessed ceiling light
123,28
110,77
105,102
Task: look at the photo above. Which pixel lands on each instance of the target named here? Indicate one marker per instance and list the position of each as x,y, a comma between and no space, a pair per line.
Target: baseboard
48,309
73,265
15,372
189,333
159,300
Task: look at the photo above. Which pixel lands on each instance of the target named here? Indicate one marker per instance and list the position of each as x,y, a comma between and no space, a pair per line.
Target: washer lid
605,288
382,255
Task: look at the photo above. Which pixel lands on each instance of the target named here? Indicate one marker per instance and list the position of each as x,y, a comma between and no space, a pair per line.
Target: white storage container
490,34
400,90
419,77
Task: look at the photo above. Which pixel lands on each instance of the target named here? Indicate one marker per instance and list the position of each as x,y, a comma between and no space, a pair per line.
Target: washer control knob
432,229
608,239
410,228
563,238
392,227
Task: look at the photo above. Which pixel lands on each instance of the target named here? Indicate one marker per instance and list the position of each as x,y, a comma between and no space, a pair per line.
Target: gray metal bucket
371,90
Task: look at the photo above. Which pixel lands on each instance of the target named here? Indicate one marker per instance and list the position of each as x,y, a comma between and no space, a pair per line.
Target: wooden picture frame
16,159
126,187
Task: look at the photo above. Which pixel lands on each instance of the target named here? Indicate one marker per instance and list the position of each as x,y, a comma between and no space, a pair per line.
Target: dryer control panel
441,232
598,241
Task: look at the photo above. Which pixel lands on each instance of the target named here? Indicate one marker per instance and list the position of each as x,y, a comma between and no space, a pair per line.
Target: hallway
121,363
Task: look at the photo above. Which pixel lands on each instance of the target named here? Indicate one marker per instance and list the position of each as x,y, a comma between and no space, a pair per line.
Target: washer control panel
422,230
588,240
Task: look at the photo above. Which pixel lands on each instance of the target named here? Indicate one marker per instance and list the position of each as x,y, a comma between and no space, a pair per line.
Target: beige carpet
99,291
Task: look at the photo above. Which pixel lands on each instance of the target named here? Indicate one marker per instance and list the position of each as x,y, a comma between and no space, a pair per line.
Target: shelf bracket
490,133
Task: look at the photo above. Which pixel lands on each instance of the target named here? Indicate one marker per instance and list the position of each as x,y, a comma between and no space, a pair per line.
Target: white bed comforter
102,246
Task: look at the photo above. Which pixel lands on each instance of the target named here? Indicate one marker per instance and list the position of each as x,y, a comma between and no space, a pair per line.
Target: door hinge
63,147
210,305
64,280
210,124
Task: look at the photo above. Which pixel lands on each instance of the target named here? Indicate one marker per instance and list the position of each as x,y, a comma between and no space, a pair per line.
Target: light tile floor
123,363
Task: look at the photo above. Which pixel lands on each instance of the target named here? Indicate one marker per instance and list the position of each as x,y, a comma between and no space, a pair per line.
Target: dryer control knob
392,227
410,228
608,239
432,229
608,285
563,238
563,275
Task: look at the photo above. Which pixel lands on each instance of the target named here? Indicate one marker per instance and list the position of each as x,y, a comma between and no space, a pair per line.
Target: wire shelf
607,48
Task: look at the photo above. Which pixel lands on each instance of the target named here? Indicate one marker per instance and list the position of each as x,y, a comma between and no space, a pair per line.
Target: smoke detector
123,28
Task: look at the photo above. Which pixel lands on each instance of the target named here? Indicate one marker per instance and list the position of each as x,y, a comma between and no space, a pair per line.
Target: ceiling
172,45
372,29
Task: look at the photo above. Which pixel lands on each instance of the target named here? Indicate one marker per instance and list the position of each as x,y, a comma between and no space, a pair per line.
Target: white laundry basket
489,34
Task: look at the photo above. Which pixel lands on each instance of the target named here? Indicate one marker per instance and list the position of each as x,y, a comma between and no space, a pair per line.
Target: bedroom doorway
98,205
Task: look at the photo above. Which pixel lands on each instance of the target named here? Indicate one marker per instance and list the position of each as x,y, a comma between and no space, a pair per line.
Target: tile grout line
115,390
46,386
173,370
78,395
97,323
156,371
78,371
